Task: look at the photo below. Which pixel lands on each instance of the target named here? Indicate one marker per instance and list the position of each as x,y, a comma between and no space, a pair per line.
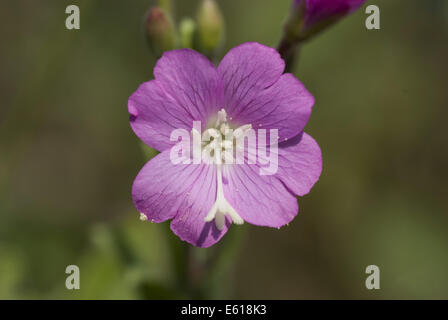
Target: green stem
290,52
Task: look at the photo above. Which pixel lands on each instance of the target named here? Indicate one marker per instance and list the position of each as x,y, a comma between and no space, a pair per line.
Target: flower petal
187,88
299,163
259,200
285,106
192,81
245,71
189,224
184,193
154,116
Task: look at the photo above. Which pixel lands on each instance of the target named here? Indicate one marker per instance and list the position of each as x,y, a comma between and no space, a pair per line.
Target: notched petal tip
133,112
209,234
132,117
176,58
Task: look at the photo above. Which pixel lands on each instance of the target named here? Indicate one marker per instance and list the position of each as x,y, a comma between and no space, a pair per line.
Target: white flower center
223,140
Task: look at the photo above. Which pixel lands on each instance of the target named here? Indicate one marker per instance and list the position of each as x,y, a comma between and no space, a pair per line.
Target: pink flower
248,89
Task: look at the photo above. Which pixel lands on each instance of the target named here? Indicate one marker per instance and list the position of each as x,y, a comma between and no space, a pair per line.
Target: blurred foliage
68,158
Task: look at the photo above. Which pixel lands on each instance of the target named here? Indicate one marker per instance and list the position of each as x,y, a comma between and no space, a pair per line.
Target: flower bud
210,26
309,17
160,31
186,29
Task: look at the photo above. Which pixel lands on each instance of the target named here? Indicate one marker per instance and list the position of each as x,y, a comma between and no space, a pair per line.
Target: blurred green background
68,158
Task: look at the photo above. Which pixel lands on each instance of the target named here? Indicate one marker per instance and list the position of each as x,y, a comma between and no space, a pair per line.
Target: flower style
247,90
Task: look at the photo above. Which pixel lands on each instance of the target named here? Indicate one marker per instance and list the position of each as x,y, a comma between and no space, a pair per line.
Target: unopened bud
186,30
210,25
309,17
160,31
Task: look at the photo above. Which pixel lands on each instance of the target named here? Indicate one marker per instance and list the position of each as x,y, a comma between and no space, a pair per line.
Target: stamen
222,117
224,129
